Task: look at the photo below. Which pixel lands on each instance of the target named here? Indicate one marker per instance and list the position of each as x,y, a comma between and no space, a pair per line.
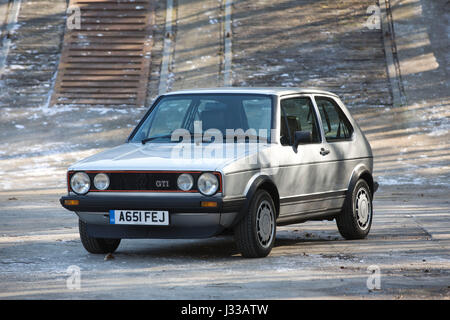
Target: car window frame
315,110
336,103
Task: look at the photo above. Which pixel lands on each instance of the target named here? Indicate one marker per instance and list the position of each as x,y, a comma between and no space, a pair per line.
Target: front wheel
255,233
96,245
355,220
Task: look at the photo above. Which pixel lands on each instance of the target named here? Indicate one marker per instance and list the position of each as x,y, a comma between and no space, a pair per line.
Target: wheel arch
262,182
362,172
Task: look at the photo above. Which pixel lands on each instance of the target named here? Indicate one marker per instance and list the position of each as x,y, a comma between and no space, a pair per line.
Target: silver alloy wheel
363,208
265,224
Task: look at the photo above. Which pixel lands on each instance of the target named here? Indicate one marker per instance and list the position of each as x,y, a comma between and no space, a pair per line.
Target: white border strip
228,79
164,75
11,22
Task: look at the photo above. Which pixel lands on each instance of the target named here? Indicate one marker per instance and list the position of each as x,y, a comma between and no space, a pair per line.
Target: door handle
324,151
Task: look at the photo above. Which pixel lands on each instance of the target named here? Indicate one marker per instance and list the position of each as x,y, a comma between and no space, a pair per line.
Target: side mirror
301,137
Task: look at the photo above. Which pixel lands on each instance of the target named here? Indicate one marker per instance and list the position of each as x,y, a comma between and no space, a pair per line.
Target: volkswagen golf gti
246,160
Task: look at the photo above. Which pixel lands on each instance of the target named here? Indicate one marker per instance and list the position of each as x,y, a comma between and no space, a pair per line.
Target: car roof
278,91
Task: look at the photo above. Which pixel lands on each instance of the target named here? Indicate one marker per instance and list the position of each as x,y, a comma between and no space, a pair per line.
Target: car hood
167,156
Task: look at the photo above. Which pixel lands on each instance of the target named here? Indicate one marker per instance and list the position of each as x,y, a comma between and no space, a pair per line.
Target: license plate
149,218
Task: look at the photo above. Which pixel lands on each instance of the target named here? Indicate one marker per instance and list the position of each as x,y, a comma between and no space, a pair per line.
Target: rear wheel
355,220
255,233
96,245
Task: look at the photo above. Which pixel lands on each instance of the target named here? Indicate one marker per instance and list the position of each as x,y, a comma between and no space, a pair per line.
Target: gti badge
162,183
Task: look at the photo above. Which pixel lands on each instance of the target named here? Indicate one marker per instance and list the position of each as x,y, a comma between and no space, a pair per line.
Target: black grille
143,181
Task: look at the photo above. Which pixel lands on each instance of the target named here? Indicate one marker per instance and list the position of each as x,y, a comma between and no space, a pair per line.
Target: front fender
260,182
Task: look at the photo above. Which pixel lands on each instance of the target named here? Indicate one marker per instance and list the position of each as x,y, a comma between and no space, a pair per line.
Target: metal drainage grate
107,60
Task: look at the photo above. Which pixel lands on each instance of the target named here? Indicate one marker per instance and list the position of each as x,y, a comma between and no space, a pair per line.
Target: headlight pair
81,183
207,183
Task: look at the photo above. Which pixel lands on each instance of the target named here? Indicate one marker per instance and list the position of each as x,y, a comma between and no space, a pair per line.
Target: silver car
202,162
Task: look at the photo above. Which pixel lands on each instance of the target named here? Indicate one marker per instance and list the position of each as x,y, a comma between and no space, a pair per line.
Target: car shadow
221,247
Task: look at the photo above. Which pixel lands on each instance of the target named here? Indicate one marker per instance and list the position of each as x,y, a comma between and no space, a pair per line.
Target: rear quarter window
335,124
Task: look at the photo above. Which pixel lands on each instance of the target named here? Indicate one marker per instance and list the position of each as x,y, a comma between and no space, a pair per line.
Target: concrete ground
322,43
409,244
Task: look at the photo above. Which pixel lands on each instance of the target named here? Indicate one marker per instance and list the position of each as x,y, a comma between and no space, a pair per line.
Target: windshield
210,115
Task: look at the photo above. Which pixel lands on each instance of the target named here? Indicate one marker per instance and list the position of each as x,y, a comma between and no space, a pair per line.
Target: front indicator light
71,202
208,204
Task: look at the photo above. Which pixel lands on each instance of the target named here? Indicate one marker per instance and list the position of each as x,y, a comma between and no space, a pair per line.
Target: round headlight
185,182
208,184
80,183
101,181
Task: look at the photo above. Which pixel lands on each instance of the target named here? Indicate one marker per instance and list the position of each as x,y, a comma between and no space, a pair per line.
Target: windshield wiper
156,137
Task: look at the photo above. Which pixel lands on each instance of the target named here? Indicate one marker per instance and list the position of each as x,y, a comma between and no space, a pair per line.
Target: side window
297,114
335,124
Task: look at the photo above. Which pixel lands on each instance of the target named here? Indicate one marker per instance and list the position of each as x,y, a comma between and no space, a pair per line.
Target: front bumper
188,219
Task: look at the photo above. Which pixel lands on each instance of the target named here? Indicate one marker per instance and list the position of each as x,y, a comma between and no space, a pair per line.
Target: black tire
353,222
96,245
255,233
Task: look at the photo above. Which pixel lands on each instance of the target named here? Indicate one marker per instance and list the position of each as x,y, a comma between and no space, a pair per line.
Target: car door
300,177
338,143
